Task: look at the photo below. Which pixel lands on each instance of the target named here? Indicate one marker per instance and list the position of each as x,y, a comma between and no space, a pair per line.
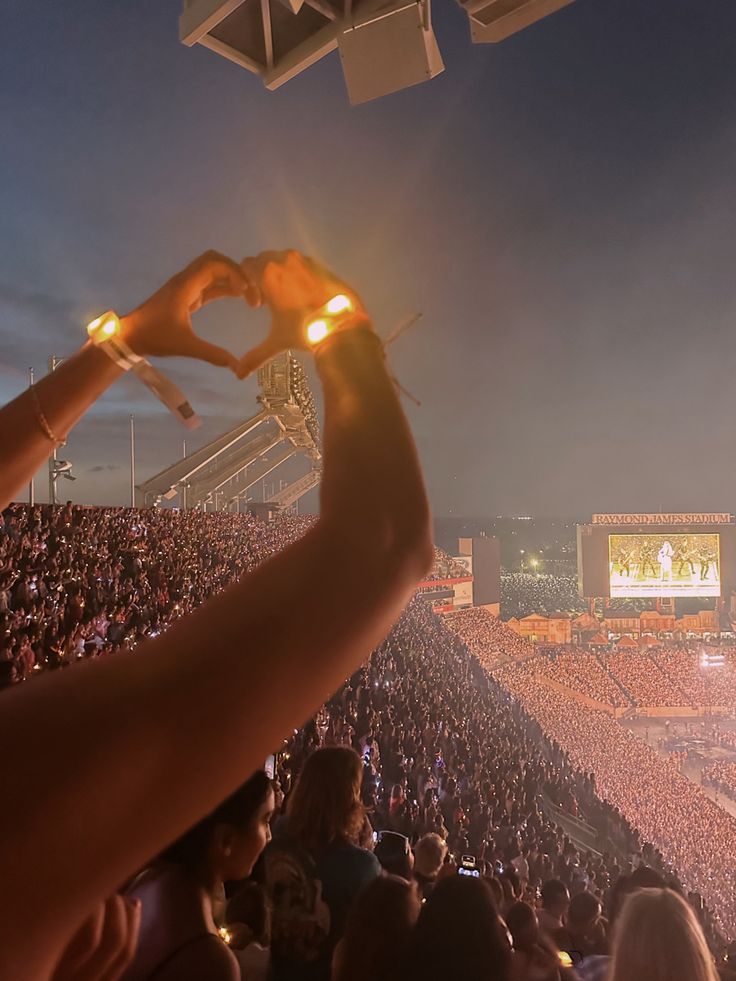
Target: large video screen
664,565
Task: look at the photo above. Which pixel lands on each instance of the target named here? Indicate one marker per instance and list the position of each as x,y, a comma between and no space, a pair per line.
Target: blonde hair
658,938
429,854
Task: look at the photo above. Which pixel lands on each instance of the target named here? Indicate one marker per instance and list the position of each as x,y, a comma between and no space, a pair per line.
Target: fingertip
243,369
252,296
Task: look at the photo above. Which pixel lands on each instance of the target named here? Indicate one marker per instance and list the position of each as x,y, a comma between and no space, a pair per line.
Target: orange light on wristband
107,325
329,317
106,333
317,331
339,304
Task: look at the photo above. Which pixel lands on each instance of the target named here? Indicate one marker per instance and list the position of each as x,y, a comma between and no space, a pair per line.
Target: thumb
196,347
257,356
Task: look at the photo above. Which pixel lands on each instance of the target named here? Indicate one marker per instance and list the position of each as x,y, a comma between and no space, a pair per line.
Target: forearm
371,464
153,741
63,396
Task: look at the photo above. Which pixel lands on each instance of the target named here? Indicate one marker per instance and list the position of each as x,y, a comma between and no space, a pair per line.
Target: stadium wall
680,711
486,554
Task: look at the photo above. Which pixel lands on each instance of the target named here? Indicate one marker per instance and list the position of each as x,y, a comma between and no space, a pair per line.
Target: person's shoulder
361,859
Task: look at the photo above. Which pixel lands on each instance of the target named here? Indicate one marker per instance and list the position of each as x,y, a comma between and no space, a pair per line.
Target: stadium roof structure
220,474
384,45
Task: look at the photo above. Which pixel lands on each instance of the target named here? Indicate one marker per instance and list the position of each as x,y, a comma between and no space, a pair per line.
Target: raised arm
42,417
114,759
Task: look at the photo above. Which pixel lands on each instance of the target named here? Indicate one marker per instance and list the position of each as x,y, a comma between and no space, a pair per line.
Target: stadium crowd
523,593
446,567
721,774
726,737
488,637
701,686
691,833
79,582
657,677
644,679
584,673
449,766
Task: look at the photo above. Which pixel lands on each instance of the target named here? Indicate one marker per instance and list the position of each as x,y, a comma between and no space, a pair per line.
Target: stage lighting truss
222,473
384,46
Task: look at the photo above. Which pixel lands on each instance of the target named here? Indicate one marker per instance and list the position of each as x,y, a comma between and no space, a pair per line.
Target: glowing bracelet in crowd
337,314
104,332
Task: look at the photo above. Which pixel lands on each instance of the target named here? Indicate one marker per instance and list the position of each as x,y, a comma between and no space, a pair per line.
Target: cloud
101,468
39,304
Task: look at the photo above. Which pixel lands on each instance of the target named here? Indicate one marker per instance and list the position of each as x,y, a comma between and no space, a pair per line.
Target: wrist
347,348
103,365
131,334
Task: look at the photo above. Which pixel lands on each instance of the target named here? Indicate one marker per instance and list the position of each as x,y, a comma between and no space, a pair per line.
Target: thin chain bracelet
43,421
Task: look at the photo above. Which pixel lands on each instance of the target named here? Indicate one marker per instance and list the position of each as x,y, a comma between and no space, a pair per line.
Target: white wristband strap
104,332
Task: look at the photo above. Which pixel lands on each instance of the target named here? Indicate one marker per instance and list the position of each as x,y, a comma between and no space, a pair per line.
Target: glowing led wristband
337,314
105,333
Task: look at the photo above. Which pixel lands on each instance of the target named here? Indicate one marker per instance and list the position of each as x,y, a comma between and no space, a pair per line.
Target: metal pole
53,457
183,449
32,484
132,461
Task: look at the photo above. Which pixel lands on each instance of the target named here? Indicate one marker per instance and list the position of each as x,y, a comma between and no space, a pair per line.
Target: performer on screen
624,562
706,556
647,560
665,560
685,558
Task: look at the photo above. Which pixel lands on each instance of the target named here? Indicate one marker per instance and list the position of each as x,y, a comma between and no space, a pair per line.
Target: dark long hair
459,936
377,931
238,809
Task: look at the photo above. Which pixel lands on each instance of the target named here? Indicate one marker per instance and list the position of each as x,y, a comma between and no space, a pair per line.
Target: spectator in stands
535,956
658,938
459,935
248,922
378,932
429,857
555,904
182,893
132,728
394,853
8,674
523,593
584,932
324,819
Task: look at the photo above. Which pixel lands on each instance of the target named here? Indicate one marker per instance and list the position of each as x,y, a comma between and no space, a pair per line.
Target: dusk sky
561,208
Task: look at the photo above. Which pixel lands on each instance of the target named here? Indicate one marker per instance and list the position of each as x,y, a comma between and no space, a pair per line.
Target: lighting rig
384,45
